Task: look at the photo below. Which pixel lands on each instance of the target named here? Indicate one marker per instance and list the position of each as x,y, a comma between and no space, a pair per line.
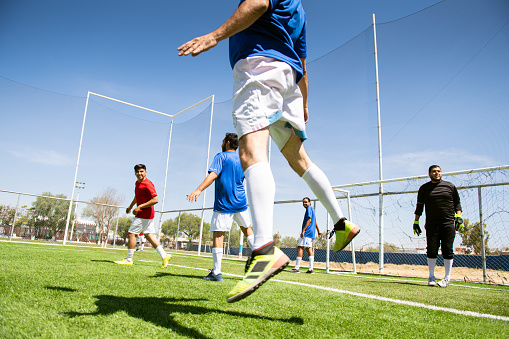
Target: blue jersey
230,195
280,33
311,230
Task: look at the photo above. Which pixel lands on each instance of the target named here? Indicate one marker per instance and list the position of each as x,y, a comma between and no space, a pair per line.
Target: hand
128,210
306,115
198,45
136,210
319,234
458,222
417,228
302,235
193,196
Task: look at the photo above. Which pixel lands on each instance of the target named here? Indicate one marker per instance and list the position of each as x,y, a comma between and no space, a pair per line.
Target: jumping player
145,197
230,200
270,96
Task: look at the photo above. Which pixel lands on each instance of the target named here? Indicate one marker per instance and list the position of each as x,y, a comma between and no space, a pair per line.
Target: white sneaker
432,281
443,283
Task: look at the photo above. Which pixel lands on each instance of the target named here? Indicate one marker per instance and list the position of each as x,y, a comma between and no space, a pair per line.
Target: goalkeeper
443,219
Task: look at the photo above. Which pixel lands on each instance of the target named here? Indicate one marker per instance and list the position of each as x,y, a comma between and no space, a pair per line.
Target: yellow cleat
345,231
165,261
124,262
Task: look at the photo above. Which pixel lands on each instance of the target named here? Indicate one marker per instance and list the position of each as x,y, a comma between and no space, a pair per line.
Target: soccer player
229,202
307,235
443,219
145,197
270,96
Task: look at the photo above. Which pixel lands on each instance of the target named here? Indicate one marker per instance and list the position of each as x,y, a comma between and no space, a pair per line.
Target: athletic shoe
345,231
124,262
310,272
443,283
165,261
432,281
264,263
214,277
295,270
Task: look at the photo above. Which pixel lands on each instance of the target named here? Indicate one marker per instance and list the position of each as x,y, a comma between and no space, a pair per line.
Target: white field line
374,297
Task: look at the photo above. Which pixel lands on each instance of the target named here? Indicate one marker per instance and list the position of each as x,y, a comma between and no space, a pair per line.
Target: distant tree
6,215
471,237
277,239
289,242
104,211
321,242
189,225
123,226
388,248
48,213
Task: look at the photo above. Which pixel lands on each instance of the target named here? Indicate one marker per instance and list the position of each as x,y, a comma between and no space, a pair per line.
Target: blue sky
443,83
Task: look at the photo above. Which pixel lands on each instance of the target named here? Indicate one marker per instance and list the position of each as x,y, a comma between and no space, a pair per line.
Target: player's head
140,171
435,173
306,202
231,138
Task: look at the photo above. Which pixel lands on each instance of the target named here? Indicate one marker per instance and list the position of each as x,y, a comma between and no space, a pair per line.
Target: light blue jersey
230,195
280,33
311,230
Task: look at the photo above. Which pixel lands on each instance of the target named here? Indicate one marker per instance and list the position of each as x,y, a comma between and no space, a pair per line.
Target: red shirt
144,191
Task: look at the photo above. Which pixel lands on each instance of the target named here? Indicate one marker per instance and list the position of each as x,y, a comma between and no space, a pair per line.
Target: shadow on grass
164,274
107,261
63,289
162,311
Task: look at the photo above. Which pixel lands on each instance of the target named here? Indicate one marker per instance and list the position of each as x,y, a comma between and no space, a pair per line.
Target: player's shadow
162,311
59,288
391,282
165,274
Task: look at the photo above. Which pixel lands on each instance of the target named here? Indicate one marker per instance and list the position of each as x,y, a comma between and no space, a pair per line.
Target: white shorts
142,225
265,94
222,222
305,242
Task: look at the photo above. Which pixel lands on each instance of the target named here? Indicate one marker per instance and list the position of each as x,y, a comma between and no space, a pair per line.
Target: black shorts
440,234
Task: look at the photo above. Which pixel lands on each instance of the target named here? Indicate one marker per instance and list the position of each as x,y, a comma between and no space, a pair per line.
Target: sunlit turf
68,291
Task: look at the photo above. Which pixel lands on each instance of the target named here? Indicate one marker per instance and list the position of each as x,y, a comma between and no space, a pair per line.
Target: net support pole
206,173
381,188
76,171
116,227
165,181
177,235
482,235
15,217
327,255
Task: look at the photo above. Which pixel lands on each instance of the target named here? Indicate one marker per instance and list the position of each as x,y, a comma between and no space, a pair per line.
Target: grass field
75,292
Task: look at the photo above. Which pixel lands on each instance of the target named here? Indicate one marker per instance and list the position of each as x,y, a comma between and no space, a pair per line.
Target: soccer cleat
265,263
345,231
295,270
214,277
443,283
124,262
165,261
310,272
432,281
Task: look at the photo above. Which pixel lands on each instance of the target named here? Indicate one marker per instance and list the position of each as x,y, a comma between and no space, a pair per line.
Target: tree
289,242
50,214
123,226
277,239
6,215
321,242
103,209
189,225
471,237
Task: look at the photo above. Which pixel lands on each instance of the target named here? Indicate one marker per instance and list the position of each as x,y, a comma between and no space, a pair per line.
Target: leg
447,239
311,259
432,244
131,245
300,252
217,251
157,245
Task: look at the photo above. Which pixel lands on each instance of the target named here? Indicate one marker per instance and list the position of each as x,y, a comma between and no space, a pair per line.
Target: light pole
79,185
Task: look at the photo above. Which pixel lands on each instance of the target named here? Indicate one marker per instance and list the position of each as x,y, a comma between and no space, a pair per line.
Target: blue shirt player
307,235
229,200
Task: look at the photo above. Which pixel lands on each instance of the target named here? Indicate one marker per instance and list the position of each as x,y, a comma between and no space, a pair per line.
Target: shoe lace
248,263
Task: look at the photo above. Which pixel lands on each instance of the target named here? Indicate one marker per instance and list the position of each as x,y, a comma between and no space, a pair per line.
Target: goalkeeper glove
458,222
417,229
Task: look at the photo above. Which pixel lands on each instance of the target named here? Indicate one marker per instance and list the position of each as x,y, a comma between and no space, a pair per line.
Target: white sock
250,240
260,194
448,266
431,266
161,251
311,262
130,254
217,256
321,187
297,262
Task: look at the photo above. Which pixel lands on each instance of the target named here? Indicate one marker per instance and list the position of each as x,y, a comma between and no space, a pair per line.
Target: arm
245,15
128,209
149,203
305,228
318,230
206,183
304,88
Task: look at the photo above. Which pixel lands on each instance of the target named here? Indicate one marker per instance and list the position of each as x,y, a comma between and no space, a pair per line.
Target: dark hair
233,139
307,199
137,167
433,166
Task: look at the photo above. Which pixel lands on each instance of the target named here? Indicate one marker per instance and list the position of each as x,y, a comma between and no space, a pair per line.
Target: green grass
77,292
